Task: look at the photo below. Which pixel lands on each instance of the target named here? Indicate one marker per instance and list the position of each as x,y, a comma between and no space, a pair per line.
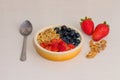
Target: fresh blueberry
71,40
76,44
74,37
68,29
60,32
63,27
56,28
72,33
74,40
68,37
77,41
65,33
77,35
61,35
66,40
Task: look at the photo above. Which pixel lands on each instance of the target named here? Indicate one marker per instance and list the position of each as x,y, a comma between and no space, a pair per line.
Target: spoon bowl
26,28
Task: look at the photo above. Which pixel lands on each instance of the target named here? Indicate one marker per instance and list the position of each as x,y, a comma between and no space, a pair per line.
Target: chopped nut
91,54
103,41
95,48
47,35
91,42
103,47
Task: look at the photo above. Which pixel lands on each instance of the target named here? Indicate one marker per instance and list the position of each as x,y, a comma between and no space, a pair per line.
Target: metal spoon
25,30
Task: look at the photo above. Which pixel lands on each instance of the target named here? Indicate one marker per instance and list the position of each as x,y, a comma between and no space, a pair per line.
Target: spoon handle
23,53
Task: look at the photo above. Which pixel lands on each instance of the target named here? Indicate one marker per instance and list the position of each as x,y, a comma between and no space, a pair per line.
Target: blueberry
64,27
60,32
65,33
77,35
66,40
77,41
72,33
71,40
68,29
68,37
76,44
56,28
74,37
61,35
74,40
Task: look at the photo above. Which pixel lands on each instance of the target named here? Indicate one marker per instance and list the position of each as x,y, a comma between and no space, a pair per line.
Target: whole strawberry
100,32
87,25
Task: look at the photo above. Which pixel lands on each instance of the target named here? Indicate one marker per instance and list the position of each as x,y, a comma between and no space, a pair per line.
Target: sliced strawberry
44,44
48,48
62,48
87,25
55,49
55,45
68,48
59,40
54,40
100,32
71,46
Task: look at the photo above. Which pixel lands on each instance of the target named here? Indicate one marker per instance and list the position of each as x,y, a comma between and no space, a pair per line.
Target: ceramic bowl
57,56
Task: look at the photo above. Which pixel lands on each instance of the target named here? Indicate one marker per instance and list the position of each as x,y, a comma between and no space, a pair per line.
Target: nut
47,35
91,54
96,47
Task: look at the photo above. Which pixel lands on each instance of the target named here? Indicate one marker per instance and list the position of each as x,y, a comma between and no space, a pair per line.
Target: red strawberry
48,48
87,25
71,46
54,47
43,44
101,31
62,46
54,40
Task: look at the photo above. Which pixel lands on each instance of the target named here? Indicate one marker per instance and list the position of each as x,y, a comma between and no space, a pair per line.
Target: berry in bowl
58,42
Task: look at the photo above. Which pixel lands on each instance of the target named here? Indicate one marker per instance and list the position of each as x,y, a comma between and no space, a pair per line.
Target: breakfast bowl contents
58,42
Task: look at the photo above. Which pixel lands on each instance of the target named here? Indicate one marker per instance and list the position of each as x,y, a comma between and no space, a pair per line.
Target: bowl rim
64,52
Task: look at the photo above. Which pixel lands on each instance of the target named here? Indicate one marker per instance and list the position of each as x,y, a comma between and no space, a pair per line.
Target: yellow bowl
57,56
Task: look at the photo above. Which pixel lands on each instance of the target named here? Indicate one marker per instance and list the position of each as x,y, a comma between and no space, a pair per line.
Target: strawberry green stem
86,17
106,23
82,19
